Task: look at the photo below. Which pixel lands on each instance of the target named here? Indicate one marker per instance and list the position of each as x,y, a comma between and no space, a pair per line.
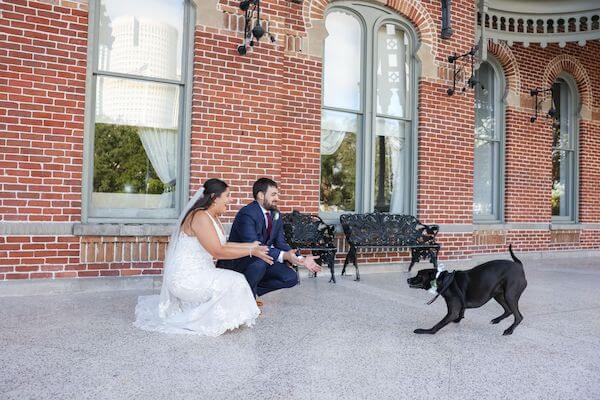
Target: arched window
488,163
564,149
368,114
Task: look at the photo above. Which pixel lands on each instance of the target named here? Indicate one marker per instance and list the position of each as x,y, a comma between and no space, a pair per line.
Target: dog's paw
422,331
495,321
507,332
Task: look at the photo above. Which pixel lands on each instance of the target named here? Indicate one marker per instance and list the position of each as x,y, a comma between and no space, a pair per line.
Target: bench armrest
431,229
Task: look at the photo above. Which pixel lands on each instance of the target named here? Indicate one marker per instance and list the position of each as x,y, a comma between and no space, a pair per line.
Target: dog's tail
515,259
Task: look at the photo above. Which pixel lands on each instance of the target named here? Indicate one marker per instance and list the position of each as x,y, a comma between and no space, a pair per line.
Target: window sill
131,229
116,229
562,226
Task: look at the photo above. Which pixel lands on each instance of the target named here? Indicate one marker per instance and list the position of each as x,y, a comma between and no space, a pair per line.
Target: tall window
367,115
488,171
136,119
564,145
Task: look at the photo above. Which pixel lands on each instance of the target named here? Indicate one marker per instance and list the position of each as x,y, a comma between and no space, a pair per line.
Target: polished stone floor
316,341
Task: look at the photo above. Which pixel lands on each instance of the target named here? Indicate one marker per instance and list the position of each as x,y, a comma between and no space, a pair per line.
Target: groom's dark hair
262,185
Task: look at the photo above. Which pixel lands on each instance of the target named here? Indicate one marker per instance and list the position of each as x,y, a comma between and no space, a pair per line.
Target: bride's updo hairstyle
213,188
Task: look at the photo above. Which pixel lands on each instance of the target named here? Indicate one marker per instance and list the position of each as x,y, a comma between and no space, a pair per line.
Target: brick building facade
261,115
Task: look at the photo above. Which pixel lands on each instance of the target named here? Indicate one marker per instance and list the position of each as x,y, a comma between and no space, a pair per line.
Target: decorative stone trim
485,238
572,65
510,66
103,249
542,28
565,236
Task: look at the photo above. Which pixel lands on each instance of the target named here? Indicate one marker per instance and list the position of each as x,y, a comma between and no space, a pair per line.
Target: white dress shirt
280,258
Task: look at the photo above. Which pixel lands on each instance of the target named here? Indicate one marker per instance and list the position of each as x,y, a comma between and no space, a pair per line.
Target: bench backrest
381,229
306,230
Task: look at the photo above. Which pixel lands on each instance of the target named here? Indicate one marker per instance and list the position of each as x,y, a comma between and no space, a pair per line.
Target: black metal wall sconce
253,27
534,93
468,57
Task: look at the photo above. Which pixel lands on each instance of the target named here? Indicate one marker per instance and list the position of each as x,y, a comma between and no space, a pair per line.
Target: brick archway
573,66
506,58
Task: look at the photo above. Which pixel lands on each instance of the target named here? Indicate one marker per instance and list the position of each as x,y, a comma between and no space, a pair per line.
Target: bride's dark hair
213,188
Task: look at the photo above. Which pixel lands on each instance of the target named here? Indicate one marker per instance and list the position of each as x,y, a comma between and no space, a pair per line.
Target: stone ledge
123,229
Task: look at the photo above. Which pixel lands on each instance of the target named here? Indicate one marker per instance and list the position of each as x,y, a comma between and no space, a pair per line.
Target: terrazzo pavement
350,340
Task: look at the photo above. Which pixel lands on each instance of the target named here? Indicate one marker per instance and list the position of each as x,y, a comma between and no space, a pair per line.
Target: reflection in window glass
338,161
141,37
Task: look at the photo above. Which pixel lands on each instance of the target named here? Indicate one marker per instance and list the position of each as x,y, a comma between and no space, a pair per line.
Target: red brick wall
43,50
259,115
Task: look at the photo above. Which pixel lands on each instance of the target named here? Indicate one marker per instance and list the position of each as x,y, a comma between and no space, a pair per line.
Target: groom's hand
290,256
309,263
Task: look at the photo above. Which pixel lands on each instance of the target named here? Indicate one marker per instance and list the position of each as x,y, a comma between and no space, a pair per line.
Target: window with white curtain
488,160
136,122
368,111
564,150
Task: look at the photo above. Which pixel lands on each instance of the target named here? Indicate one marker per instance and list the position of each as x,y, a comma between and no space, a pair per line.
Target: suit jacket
250,225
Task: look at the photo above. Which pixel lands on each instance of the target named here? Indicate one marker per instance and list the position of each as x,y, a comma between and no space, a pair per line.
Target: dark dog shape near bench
389,230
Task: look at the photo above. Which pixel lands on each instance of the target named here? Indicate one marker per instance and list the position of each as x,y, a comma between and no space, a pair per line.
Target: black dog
503,280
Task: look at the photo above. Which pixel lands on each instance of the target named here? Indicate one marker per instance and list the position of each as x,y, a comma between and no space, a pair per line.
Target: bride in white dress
196,297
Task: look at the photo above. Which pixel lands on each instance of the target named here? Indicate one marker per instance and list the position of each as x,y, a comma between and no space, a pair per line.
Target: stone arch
573,66
503,53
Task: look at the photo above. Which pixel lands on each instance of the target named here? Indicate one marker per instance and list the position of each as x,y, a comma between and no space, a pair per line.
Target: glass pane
338,161
484,178
484,102
134,102
141,37
341,69
390,165
561,165
135,144
561,159
392,71
561,120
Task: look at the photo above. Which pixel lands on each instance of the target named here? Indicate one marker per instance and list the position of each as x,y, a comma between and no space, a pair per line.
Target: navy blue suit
249,226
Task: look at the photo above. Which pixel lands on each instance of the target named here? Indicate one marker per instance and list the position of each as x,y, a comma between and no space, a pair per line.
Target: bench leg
328,258
350,257
415,256
433,253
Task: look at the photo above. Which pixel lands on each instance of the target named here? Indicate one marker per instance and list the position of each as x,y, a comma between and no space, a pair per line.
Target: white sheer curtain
397,202
394,133
160,145
331,141
334,127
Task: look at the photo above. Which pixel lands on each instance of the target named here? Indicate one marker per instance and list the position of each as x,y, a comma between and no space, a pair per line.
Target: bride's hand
262,252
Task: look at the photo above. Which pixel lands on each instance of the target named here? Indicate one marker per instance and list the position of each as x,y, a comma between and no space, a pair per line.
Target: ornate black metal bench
309,232
389,230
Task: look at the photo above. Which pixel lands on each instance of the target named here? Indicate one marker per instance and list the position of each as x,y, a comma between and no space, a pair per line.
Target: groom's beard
270,207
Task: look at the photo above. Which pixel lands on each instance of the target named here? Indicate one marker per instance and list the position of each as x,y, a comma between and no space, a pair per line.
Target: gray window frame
499,186
88,214
372,17
572,194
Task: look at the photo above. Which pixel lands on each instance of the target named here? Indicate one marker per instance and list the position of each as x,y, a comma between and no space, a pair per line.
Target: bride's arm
244,245
207,236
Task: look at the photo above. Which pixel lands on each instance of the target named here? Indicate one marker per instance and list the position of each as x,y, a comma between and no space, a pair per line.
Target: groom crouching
259,221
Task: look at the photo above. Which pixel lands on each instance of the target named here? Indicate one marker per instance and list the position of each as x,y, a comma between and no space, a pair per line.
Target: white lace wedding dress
198,298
